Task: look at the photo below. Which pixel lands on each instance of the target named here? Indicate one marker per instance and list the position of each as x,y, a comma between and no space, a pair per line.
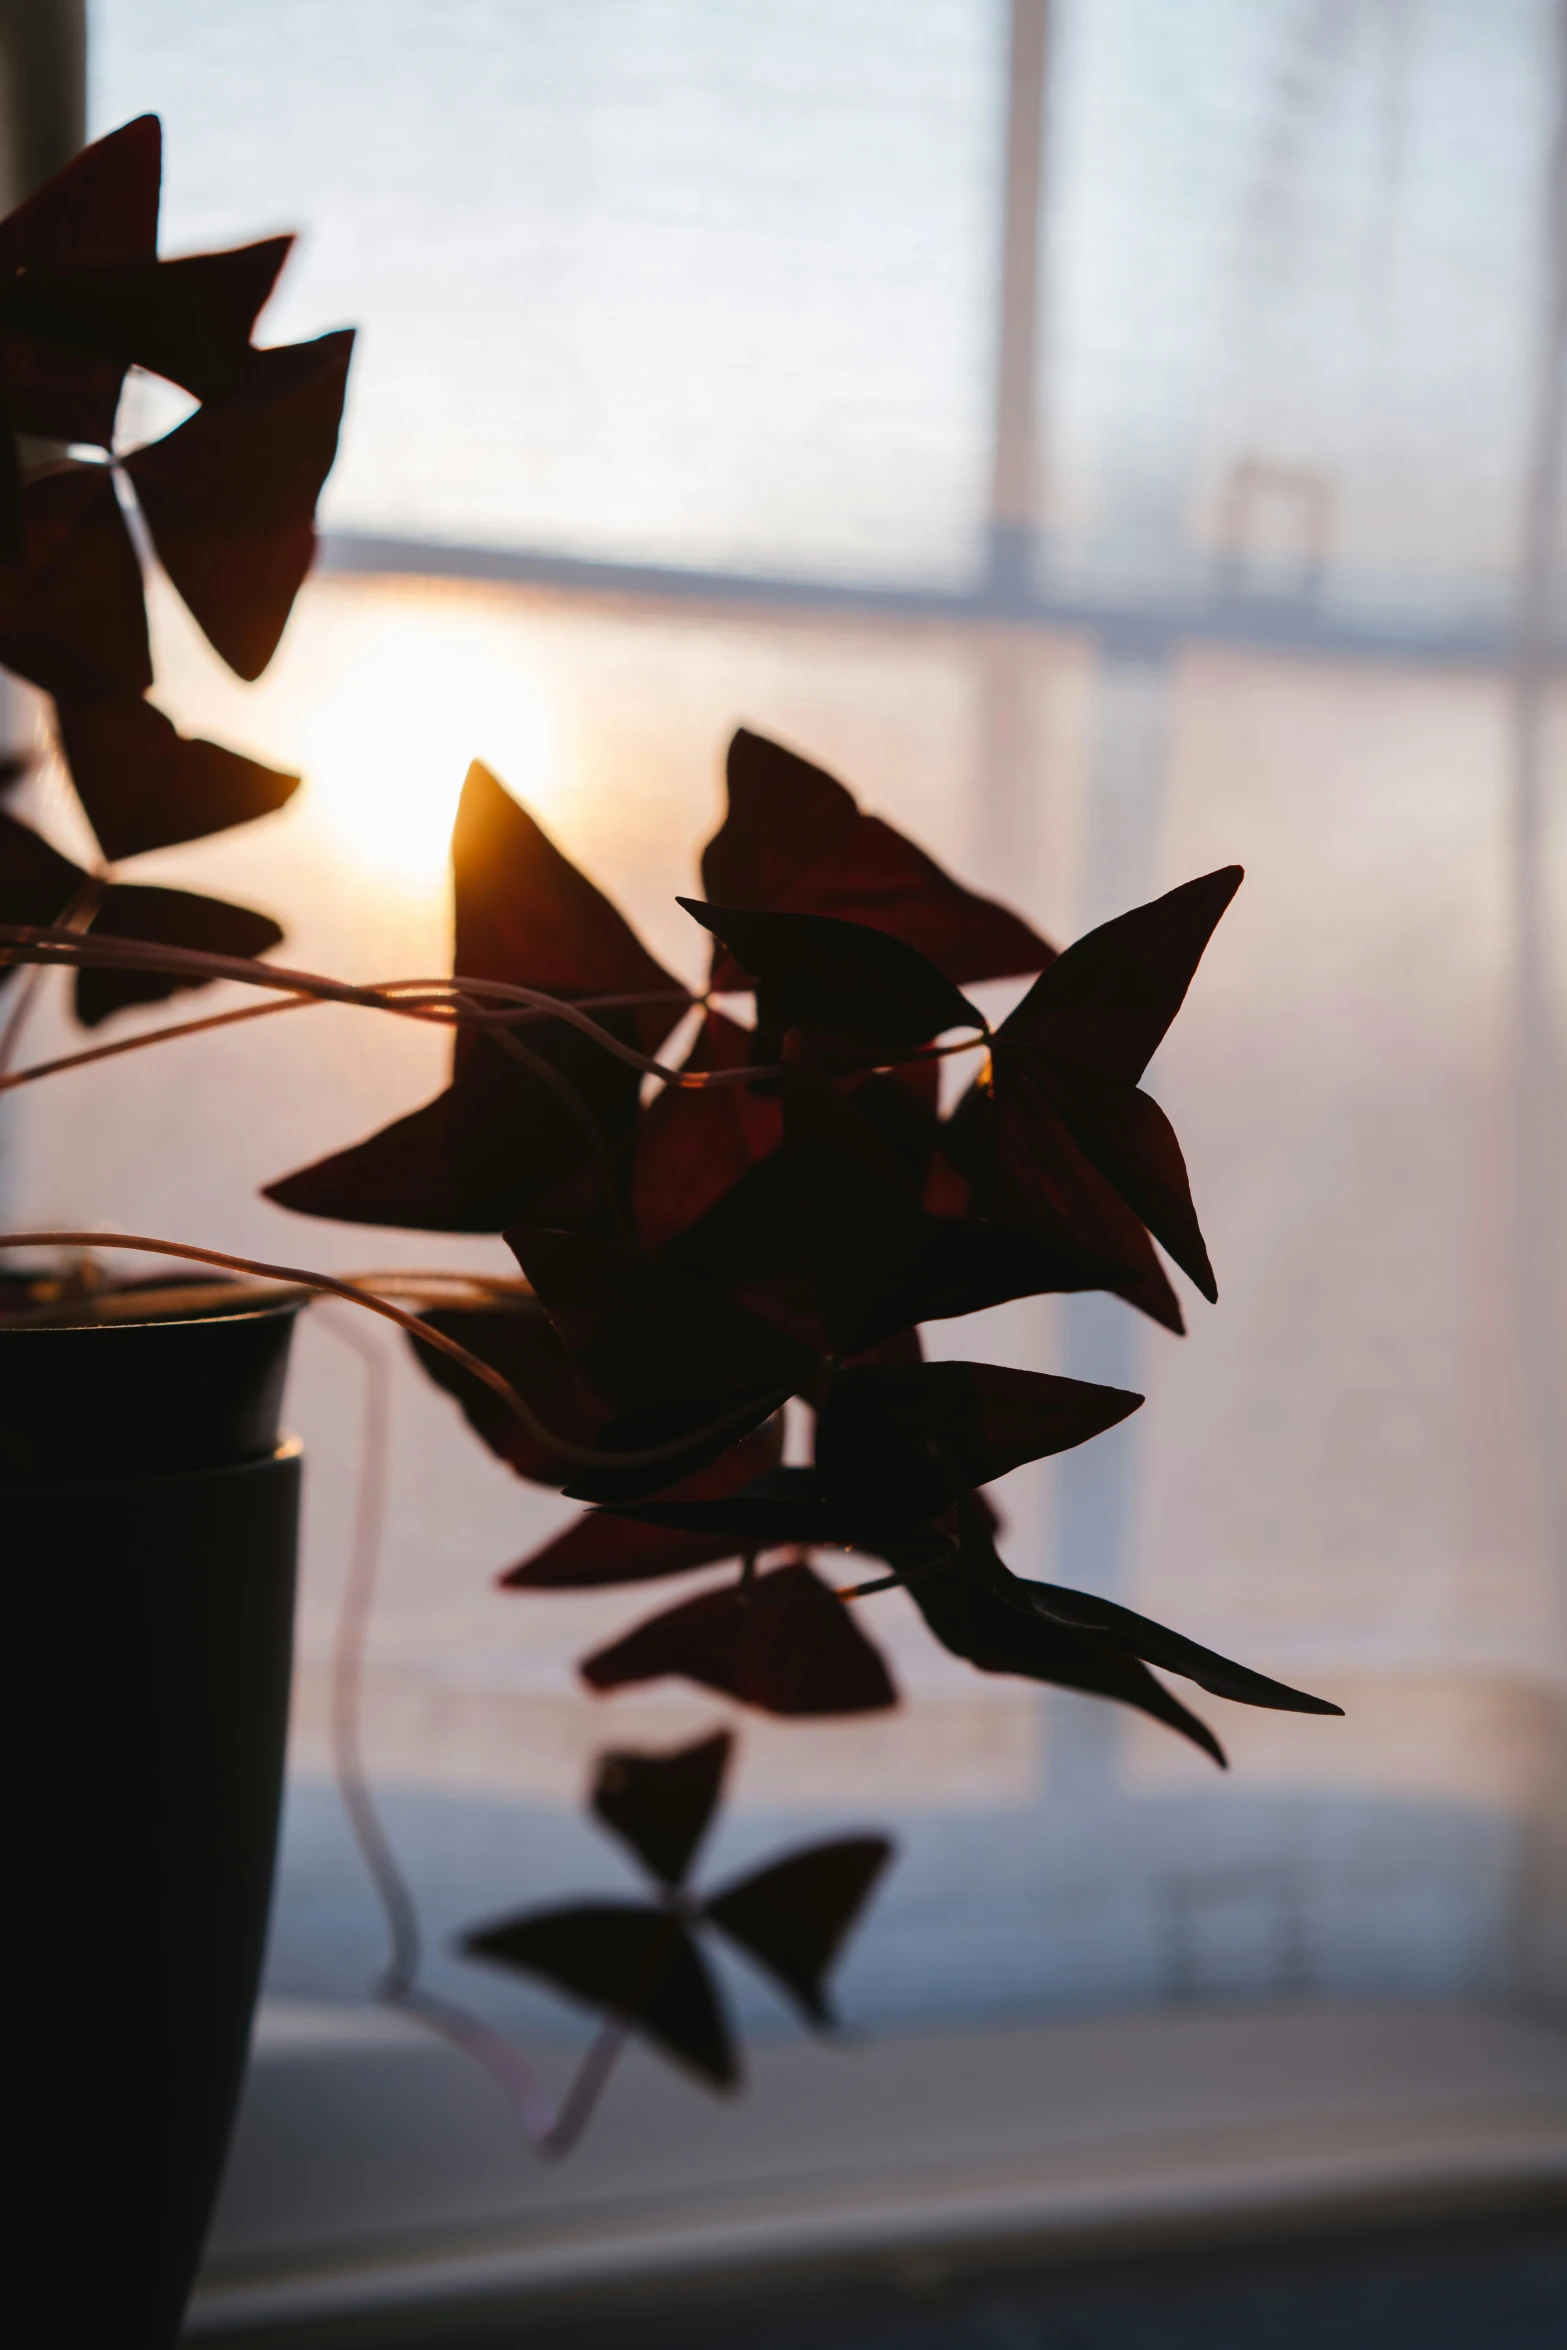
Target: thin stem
76,917
50,944
134,1044
399,1985
302,1277
348,1650
439,1000
577,2106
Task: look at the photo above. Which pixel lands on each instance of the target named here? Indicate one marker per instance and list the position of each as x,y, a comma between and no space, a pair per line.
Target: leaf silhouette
1026,1175
794,841
661,1804
517,1339
692,1146
100,212
793,1916
600,1548
791,1506
145,786
230,495
648,1336
542,1140
974,1624
526,915
1071,1130
1108,1001
1171,1651
636,1964
188,320
930,1433
784,1644
71,613
37,884
164,917
815,972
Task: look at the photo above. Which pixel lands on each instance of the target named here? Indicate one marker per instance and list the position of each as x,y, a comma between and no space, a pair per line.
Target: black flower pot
146,1597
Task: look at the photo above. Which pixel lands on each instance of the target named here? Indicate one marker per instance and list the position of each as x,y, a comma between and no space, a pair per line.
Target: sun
388,746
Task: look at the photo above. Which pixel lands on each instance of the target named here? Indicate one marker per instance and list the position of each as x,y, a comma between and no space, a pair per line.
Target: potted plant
763,1230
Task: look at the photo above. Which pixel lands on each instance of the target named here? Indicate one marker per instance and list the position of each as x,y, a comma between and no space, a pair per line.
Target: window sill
376,2170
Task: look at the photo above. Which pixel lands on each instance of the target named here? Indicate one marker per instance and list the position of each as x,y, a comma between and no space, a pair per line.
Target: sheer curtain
677,406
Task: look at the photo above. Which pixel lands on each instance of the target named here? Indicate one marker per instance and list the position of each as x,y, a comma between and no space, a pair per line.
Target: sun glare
390,744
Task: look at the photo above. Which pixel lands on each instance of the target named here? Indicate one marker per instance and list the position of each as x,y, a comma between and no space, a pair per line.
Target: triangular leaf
102,208
794,1916
601,1548
794,841
694,1146
504,1143
1043,1177
636,1964
100,212
517,1338
164,917
974,1624
1108,1000
72,619
230,495
37,884
187,320
661,1804
784,1644
144,786
526,915
792,1506
1171,1651
932,1432
813,972
647,1337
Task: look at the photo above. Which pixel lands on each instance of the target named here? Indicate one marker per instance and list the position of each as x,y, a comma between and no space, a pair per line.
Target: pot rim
168,1307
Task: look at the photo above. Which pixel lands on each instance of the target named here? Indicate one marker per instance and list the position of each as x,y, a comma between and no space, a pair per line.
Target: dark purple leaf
164,917
543,1140
784,1644
230,495
72,618
1108,1000
661,1804
144,786
638,1965
973,1623
928,1434
1081,1611
188,320
526,915
100,212
37,884
791,1506
601,1548
517,1338
816,973
794,841
693,1146
649,1338
794,1916
501,1145
1029,1171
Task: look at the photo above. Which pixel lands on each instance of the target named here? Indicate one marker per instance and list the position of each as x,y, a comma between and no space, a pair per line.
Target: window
709,374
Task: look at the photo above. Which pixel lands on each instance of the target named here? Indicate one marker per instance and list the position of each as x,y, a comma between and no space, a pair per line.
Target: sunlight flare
389,747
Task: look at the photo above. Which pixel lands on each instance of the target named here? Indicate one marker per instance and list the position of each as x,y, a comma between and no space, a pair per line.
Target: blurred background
1117,438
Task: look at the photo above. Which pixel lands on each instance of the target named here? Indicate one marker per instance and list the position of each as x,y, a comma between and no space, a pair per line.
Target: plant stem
449,1002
